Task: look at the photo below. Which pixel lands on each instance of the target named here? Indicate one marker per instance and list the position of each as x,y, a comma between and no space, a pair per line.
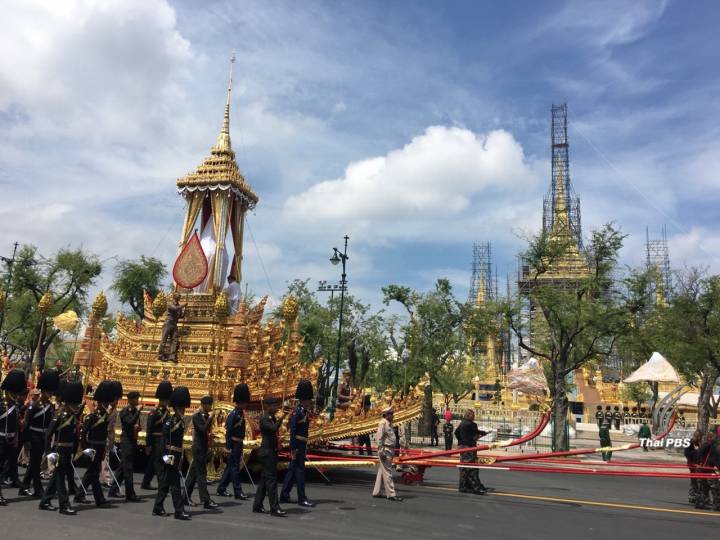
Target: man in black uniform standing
268,454
617,417
173,433
130,426
599,415
234,440
299,429
201,422
14,385
95,435
448,434
38,416
154,443
626,415
61,438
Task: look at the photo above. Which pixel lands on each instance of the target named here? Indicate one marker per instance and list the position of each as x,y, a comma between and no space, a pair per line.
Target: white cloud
435,175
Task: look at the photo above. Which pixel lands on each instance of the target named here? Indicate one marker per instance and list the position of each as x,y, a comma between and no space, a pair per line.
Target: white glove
89,452
52,457
169,459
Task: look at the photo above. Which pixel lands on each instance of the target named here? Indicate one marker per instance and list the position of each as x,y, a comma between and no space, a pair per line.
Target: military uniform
604,433
11,465
448,434
708,461
9,426
39,415
299,428
201,423
95,435
234,437
599,415
61,438
155,442
386,441
268,455
173,432
129,424
617,417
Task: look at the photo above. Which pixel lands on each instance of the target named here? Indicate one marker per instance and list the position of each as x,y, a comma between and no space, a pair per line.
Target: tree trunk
427,412
561,404
704,407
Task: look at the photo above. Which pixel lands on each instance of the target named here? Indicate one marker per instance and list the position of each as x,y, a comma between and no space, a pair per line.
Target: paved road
525,505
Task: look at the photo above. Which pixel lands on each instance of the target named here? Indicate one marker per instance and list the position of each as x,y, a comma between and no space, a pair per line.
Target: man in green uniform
604,432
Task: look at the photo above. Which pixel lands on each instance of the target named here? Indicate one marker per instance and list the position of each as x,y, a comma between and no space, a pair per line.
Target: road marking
591,503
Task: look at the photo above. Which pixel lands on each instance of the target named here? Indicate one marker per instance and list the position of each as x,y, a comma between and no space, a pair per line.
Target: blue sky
416,128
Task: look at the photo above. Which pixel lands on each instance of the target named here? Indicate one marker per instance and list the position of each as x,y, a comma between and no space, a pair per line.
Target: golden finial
99,306
159,305
222,308
290,309
45,304
223,141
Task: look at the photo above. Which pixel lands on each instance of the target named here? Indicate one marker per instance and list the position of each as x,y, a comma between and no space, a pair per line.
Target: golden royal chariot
221,345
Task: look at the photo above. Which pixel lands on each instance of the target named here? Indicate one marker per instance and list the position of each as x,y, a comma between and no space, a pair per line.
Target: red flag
191,266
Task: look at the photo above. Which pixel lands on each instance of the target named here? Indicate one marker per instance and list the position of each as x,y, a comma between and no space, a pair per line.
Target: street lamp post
335,259
405,357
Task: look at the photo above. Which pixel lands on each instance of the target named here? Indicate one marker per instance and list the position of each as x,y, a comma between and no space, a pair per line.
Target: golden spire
223,141
480,297
561,221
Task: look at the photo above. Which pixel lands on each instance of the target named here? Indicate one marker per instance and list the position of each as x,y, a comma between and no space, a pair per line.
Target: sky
416,128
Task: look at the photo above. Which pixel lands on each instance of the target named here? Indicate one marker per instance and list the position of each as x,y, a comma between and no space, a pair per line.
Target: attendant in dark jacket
268,454
130,426
691,456
299,430
154,443
202,422
467,434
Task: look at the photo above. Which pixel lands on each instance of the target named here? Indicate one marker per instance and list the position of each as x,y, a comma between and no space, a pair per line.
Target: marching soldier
38,416
626,415
617,417
116,477
268,454
11,465
154,444
634,415
130,426
202,422
61,438
299,429
234,437
173,433
14,385
599,415
95,436
608,416
604,433
386,441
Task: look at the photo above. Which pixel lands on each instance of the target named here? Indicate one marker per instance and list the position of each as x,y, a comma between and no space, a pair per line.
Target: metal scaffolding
483,284
658,264
561,173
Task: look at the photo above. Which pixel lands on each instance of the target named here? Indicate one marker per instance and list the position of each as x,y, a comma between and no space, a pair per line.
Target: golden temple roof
220,170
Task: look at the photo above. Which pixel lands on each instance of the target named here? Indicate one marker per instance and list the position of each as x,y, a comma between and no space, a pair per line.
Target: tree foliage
132,277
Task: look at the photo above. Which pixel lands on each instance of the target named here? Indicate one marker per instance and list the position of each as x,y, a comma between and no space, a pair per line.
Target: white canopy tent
657,369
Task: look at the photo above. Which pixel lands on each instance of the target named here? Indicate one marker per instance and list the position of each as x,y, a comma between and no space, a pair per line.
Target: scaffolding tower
658,265
483,285
561,173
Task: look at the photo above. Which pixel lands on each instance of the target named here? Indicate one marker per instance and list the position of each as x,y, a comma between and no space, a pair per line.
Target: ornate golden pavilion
218,346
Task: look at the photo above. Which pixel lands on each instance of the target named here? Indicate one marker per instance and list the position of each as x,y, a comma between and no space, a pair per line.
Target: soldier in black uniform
599,415
634,415
626,415
268,454
95,436
234,437
130,426
61,438
14,385
617,417
154,443
448,431
201,422
643,413
299,429
38,416
608,416
604,433
10,472
173,433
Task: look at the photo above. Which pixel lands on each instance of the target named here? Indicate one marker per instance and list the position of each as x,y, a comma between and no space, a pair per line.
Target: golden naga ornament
159,305
290,309
45,304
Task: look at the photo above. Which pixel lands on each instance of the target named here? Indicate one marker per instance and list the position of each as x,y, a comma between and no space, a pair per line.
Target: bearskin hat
164,390
133,394
117,387
207,400
599,407
241,394
304,390
72,393
617,408
105,392
49,380
180,397
626,409
14,382
607,407
272,400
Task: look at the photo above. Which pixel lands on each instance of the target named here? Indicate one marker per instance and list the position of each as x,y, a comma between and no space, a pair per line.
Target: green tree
132,277
68,275
575,322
